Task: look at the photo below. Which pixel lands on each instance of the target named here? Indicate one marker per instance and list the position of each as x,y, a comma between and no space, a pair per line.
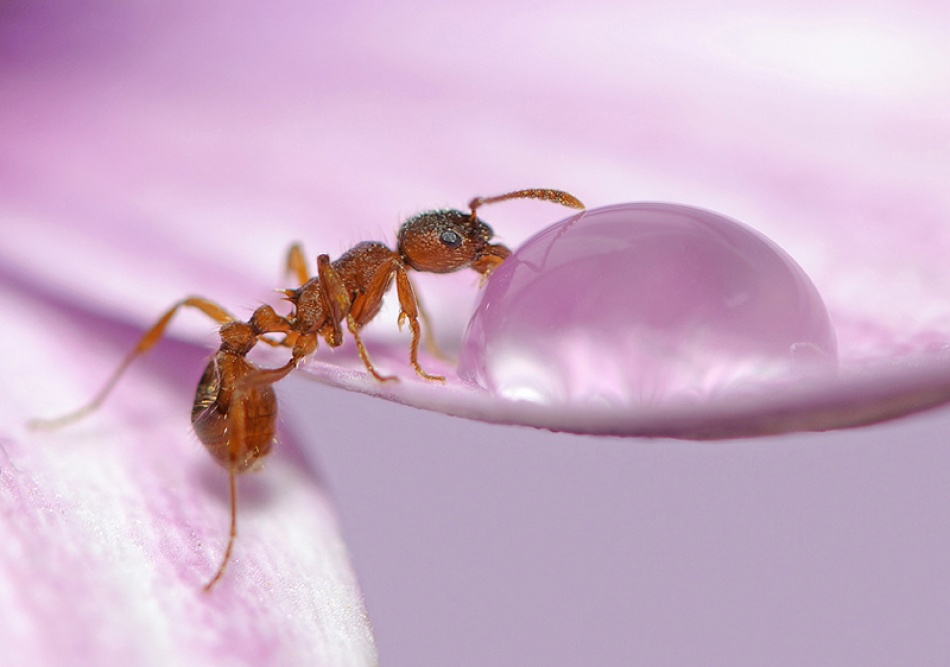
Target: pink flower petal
113,526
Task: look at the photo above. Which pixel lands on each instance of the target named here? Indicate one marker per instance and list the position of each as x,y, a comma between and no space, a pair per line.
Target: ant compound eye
451,239
439,241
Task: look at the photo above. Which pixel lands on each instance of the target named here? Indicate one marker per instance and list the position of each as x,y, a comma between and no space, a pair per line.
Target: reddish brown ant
235,407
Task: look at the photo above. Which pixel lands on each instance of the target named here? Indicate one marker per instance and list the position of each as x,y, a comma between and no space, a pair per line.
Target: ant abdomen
236,424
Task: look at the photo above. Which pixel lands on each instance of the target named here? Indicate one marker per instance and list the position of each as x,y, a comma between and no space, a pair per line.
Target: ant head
449,240
443,241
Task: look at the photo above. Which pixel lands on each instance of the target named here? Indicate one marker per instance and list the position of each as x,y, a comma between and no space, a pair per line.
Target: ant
235,407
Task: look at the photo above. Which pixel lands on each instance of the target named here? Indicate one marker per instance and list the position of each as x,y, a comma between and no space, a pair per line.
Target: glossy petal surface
646,304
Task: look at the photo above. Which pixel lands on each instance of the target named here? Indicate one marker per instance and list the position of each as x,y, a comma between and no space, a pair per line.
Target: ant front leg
410,312
340,306
146,343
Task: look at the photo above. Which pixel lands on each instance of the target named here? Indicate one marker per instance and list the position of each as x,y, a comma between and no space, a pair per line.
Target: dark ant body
235,407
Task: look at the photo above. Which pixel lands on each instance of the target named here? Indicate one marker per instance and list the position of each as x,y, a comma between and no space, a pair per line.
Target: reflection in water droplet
643,304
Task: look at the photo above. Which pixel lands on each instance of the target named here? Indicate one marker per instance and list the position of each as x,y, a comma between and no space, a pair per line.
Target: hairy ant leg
342,308
335,296
146,343
410,311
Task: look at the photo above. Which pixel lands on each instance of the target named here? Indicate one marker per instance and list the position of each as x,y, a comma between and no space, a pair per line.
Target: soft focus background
155,150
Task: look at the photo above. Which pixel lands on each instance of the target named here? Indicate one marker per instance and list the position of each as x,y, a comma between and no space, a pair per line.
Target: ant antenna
555,196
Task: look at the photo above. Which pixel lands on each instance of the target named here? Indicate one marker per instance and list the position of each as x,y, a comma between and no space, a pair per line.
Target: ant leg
232,492
288,340
333,290
297,264
364,355
148,340
334,293
428,338
335,297
261,376
410,311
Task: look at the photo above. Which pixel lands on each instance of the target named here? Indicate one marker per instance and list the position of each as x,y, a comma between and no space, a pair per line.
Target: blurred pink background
158,150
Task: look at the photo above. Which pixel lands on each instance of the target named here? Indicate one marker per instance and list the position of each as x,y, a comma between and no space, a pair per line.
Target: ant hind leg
146,343
232,494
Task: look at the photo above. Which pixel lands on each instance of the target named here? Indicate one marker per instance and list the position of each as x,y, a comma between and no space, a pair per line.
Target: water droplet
645,304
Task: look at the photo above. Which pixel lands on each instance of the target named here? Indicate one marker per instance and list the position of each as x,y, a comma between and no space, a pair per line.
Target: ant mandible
235,408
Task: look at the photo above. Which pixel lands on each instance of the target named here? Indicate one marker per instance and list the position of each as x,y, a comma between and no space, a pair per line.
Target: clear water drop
646,304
